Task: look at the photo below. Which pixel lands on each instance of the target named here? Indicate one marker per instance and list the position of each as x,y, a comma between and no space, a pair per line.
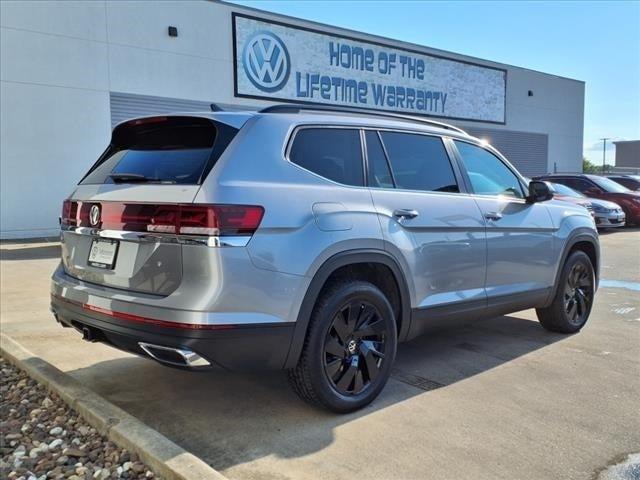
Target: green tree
589,167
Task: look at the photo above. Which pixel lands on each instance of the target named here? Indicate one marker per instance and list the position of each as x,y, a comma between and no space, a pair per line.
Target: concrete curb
163,456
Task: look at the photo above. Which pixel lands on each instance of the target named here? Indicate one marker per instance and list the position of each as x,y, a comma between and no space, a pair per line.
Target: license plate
103,253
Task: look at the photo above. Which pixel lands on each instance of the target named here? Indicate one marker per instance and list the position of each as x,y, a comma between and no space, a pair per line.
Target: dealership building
72,70
628,155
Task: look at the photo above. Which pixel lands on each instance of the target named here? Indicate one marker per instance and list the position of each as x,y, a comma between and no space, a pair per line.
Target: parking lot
497,399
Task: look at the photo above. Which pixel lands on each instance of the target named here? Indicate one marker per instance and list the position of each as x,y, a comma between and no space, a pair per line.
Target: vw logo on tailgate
94,215
266,61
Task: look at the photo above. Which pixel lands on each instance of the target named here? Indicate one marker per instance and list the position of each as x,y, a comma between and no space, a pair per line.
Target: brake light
220,219
183,219
69,212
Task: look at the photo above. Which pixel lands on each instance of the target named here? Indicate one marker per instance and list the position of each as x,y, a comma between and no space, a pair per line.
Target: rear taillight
220,219
69,213
181,219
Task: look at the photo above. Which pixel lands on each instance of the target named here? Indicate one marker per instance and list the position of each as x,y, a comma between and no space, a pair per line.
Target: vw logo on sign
266,61
94,215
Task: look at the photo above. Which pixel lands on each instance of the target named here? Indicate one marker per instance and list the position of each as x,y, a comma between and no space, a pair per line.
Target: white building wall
54,108
59,60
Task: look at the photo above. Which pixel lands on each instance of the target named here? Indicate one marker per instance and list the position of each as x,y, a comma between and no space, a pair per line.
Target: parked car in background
566,194
595,186
606,214
632,182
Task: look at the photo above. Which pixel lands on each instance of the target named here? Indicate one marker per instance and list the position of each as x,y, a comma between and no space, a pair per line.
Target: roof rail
297,107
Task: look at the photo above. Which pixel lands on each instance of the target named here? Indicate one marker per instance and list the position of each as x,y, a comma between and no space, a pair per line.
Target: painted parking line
635,286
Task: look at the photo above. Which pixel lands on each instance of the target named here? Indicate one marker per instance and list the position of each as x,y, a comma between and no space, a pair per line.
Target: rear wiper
135,178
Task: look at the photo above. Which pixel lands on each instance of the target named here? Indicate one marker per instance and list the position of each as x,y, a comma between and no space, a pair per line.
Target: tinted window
379,173
628,182
487,173
333,153
164,150
564,190
609,185
419,162
578,184
168,166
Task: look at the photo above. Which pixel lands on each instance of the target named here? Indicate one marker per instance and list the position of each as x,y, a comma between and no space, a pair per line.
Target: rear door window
419,162
164,150
332,153
379,173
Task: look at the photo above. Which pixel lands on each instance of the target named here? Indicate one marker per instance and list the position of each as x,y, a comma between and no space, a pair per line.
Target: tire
349,348
573,300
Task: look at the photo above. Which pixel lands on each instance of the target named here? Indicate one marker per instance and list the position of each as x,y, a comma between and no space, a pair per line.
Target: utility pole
604,154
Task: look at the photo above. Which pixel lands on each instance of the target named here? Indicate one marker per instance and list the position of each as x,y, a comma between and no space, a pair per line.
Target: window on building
419,162
333,153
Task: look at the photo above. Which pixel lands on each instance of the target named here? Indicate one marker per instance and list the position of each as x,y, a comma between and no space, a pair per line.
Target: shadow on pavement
609,231
228,419
29,252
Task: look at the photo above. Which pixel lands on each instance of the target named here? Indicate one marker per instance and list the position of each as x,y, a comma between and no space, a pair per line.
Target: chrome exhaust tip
178,357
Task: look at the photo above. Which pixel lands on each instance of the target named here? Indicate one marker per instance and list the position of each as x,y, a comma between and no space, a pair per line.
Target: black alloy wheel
578,294
571,305
349,348
354,348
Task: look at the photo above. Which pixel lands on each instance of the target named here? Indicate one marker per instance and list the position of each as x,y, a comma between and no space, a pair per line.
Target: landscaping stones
42,438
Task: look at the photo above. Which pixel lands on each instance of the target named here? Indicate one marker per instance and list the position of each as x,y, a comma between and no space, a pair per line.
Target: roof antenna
215,108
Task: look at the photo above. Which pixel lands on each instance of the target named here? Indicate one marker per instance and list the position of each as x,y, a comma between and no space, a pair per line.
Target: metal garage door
528,152
127,105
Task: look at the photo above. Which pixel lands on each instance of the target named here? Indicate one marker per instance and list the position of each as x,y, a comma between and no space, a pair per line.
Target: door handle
405,213
493,216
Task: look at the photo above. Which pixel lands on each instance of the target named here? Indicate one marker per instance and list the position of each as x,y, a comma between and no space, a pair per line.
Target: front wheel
349,349
572,303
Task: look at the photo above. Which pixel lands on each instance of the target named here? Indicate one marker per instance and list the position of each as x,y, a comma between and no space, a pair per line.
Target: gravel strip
42,438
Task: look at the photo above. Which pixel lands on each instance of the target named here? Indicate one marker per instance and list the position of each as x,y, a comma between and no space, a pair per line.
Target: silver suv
310,239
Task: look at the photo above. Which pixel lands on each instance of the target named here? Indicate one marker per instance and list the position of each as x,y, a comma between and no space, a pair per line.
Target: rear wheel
573,301
349,349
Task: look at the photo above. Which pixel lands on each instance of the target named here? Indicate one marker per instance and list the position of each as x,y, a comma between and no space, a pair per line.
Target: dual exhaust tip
177,357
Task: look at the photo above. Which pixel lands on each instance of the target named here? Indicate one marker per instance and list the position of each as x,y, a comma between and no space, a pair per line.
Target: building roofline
383,39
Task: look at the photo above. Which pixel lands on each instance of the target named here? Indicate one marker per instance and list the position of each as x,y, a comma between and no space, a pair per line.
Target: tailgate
119,226
141,263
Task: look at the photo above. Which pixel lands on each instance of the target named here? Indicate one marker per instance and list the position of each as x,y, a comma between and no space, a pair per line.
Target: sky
596,42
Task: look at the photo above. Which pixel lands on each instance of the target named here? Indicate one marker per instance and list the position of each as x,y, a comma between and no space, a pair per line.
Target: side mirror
539,191
592,191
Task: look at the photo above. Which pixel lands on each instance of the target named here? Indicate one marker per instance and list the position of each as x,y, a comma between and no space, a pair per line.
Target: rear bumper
233,347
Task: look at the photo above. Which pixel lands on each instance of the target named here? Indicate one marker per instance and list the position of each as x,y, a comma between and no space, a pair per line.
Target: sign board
281,62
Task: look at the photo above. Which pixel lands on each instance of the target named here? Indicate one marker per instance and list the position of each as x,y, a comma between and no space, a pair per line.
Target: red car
604,188
566,194
632,182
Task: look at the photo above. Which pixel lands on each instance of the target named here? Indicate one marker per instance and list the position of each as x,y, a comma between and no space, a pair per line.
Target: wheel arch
332,265
583,240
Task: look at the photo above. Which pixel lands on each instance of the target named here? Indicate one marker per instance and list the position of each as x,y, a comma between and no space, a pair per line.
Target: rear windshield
163,150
